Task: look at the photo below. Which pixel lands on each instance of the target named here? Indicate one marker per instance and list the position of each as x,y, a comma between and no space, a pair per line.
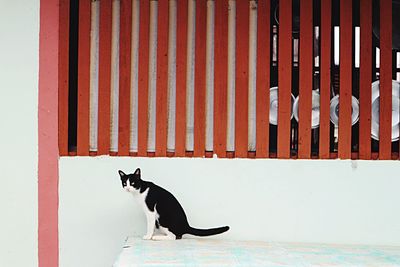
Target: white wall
19,46
272,200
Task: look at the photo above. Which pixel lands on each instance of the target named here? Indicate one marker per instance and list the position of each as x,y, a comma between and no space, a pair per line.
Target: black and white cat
162,210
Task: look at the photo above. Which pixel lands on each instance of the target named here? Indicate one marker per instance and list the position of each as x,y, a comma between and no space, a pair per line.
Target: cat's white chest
141,199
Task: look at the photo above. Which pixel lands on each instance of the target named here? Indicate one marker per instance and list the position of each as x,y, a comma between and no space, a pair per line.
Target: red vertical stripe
181,48
200,76
344,149
385,105
306,78
143,73
48,246
263,73
284,77
104,76
325,87
162,79
63,76
83,77
124,77
242,78
365,78
220,76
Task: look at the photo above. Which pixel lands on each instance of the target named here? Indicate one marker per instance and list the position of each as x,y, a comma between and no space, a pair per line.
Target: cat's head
130,182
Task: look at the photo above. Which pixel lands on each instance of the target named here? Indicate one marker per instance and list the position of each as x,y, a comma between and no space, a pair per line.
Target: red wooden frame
285,50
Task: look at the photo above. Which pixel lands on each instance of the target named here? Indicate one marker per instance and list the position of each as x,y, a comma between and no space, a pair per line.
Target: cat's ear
121,173
137,172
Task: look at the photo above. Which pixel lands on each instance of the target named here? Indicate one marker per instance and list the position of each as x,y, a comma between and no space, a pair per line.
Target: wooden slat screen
203,78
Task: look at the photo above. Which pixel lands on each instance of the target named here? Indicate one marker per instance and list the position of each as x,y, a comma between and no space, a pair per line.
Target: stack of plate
395,110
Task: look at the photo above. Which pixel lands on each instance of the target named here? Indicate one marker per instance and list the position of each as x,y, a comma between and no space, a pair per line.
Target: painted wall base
349,202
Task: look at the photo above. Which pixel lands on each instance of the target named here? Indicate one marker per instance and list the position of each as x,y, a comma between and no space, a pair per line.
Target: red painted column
48,134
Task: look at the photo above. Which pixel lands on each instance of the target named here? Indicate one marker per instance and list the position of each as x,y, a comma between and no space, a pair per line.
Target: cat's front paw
147,237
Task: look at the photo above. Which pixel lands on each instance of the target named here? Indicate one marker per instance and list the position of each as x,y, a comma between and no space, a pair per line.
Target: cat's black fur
171,213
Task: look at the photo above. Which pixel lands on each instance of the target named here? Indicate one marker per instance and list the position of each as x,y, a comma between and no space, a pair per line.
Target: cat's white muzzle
129,188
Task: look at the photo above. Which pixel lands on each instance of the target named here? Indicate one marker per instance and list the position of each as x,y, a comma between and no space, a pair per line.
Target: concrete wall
271,200
19,53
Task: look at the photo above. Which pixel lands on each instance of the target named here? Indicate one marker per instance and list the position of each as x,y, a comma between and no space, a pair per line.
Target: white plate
395,110
314,111
334,110
273,106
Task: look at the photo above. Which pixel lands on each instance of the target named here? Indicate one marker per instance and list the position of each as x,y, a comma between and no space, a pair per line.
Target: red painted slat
124,77
263,83
143,76
104,77
385,105
162,79
325,82
200,78
220,76
63,77
306,78
365,78
242,78
181,48
284,77
83,78
344,147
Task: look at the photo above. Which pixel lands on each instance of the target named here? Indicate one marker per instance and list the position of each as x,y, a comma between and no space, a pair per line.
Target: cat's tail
207,232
